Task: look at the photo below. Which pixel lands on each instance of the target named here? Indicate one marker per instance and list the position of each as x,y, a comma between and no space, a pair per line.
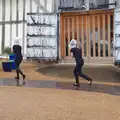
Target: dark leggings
78,71
17,63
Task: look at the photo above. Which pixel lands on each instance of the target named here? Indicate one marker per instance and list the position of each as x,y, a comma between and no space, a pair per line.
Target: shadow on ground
100,88
102,74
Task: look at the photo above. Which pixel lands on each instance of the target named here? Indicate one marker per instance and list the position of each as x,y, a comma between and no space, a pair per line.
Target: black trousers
78,71
18,61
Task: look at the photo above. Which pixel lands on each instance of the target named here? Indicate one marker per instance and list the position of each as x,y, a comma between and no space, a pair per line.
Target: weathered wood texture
91,30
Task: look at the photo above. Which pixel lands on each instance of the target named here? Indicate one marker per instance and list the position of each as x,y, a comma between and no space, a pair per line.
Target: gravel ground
19,103
42,104
30,70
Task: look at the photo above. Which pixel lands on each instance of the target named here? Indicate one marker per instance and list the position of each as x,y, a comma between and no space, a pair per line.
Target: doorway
93,31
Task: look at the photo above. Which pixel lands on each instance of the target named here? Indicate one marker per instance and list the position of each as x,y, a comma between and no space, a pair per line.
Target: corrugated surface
41,36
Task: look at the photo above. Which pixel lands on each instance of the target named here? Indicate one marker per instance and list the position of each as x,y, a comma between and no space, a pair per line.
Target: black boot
76,84
90,82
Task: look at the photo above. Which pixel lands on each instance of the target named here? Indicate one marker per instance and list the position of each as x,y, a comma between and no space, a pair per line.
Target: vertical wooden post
89,42
109,37
64,40
94,36
82,30
78,30
99,29
104,36
68,30
62,35
73,30
87,36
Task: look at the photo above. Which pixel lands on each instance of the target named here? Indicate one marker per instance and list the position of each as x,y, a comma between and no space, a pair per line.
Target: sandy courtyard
50,104
19,103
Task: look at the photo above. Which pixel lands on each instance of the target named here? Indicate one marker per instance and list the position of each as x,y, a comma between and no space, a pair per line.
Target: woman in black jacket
77,54
18,59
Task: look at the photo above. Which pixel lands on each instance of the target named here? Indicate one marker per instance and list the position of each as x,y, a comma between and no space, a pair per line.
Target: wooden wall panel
94,37
87,36
99,29
68,31
73,27
104,36
93,31
78,29
65,36
82,33
62,36
109,37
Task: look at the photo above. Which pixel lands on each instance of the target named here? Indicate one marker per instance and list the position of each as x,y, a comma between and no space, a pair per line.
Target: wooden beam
94,36
73,28
78,29
104,36
64,40
82,28
91,12
87,36
68,31
61,35
13,22
99,31
109,37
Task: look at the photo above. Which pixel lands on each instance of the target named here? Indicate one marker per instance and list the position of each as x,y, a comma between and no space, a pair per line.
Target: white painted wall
42,36
117,35
11,29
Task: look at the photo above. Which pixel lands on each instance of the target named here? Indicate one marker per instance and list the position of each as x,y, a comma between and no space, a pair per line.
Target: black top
17,50
77,53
